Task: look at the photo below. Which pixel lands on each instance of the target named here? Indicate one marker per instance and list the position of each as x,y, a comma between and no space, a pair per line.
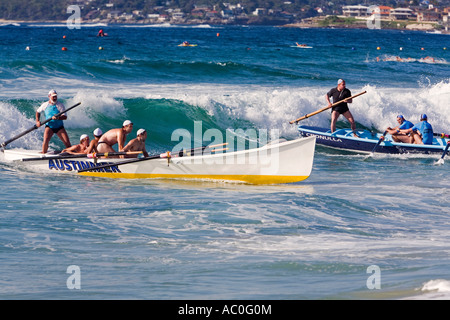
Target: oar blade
441,160
378,143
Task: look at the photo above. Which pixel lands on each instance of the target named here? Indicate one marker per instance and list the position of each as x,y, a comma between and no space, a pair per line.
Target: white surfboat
285,162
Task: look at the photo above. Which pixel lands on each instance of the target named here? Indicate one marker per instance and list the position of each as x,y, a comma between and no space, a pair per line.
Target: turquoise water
164,239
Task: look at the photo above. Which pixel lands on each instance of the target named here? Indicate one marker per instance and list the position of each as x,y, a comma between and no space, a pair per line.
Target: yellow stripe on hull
253,179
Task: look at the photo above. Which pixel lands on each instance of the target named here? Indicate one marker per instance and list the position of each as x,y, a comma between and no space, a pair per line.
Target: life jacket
49,112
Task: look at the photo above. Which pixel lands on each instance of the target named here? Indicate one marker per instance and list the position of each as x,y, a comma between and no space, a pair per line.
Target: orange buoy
64,49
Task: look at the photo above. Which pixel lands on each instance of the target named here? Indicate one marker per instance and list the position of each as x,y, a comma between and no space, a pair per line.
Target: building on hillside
355,11
429,15
259,12
402,14
385,11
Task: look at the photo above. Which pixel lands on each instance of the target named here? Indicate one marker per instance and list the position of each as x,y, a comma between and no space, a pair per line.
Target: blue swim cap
400,116
423,117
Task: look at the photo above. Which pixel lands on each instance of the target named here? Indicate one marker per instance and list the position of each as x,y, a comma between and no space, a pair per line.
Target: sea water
358,228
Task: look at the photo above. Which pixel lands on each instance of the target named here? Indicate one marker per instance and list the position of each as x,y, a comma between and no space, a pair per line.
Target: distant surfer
114,136
101,33
340,93
56,125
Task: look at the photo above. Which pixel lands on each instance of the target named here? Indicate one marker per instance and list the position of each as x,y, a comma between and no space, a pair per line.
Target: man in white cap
94,142
137,144
56,125
340,93
79,148
114,136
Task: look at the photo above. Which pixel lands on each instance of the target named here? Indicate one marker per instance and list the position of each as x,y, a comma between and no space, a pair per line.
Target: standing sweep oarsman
51,109
340,93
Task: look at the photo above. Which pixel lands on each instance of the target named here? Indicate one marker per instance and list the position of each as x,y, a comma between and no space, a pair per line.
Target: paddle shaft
35,126
445,150
326,108
121,163
379,141
158,156
83,155
441,135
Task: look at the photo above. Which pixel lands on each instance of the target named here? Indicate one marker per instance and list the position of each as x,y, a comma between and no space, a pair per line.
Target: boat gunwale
194,157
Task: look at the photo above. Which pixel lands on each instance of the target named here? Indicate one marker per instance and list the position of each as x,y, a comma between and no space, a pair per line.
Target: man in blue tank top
421,133
56,125
403,124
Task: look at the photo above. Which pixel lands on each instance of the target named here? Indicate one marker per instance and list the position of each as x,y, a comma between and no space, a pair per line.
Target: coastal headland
315,22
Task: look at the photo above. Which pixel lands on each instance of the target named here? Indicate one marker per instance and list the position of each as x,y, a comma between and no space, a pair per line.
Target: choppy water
202,240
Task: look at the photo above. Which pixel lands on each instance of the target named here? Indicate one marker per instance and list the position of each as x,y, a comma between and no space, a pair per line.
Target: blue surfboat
366,141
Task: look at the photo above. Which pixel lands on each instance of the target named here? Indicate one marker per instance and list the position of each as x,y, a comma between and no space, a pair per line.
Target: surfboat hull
284,162
343,139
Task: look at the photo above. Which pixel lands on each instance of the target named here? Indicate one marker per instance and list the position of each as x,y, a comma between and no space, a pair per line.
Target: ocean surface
358,228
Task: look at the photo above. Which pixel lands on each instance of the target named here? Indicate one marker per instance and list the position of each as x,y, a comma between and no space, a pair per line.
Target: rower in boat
94,143
115,136
422,132
82,147
403,124
137,144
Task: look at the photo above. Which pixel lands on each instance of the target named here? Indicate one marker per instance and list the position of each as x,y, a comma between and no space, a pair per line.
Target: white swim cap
126,123
52,93
83,136
98,132
140,131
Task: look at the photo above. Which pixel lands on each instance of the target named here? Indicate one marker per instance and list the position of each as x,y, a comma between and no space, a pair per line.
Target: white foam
426,59
64,25
167,25
12,123
262,106
93,103
438,289
275,107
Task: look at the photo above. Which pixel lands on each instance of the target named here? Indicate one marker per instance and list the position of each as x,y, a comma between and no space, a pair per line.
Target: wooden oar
158,156
326,108
378,143
441,160
83,155
35,126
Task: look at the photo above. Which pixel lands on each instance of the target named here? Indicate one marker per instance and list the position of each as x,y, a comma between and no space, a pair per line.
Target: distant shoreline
359,24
